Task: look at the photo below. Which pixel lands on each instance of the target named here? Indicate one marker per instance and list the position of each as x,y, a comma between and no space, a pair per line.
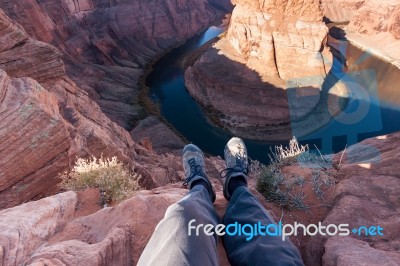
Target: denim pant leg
170,243
244,208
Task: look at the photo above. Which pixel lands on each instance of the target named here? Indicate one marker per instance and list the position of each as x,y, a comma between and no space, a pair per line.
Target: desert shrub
287,155
115,182
271,182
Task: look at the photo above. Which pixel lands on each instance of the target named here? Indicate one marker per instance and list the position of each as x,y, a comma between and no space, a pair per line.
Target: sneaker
193,165
236,163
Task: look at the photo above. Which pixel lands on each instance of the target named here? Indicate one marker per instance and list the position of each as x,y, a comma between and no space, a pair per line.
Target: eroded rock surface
157,136
122,35
60,231
373,25
366,195
47,120
243,77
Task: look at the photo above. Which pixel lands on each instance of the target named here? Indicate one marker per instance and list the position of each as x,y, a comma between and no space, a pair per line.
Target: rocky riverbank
244,75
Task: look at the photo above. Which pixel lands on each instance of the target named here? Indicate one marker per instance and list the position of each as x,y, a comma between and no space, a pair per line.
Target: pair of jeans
171,244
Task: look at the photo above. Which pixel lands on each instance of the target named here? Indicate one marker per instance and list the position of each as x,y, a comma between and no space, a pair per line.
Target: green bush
115,182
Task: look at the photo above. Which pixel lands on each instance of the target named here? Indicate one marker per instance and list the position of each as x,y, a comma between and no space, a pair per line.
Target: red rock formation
53,229
46,125
367,17
276,37
124,35
366,195
340,10
373,25
34,140
243,77
163,139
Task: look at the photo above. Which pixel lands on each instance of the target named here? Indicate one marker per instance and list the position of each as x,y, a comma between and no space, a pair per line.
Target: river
167,90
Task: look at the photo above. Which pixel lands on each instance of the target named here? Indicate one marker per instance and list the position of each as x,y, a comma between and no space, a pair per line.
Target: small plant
287,190
271,183
296,181
297,202
115,182
287,155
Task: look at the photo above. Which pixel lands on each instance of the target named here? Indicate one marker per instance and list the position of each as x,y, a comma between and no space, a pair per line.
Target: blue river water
167,89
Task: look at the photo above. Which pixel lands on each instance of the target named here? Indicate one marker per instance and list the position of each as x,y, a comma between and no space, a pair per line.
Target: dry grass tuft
115,182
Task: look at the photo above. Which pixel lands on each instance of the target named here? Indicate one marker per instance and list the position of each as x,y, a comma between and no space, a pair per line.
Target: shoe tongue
238,168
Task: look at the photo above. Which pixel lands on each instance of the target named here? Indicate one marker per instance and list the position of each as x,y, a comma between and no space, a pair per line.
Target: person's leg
170,243
244,208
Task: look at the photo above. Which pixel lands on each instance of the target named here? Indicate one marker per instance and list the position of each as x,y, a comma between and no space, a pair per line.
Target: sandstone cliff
48,119
69,228
244,76
366,195
373,25
46,124
123,35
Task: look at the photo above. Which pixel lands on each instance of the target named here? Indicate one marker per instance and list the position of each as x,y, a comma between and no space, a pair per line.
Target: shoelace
195,170
237,168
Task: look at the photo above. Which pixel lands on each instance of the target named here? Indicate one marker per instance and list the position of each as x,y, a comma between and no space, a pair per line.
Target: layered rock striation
53,96
123,35
269,46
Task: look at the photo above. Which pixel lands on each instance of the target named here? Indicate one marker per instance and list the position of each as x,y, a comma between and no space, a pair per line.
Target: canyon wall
276,37
68,73
371,25
270,46
367,17
46,124
123,35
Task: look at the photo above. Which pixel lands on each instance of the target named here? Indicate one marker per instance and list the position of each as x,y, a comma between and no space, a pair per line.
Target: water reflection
167,88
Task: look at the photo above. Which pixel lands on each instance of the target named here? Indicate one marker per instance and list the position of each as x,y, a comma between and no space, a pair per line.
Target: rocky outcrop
374,17
270,46
61,229
370,25
58,230
49,232
48,121
350,251
25,228
157,136
275,37
340,10
366,195
31,123
123,35
367,17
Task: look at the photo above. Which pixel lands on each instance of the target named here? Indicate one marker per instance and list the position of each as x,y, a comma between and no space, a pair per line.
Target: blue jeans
171,244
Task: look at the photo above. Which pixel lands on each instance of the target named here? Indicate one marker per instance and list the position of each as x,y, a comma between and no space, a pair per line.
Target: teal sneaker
193,165
237,165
